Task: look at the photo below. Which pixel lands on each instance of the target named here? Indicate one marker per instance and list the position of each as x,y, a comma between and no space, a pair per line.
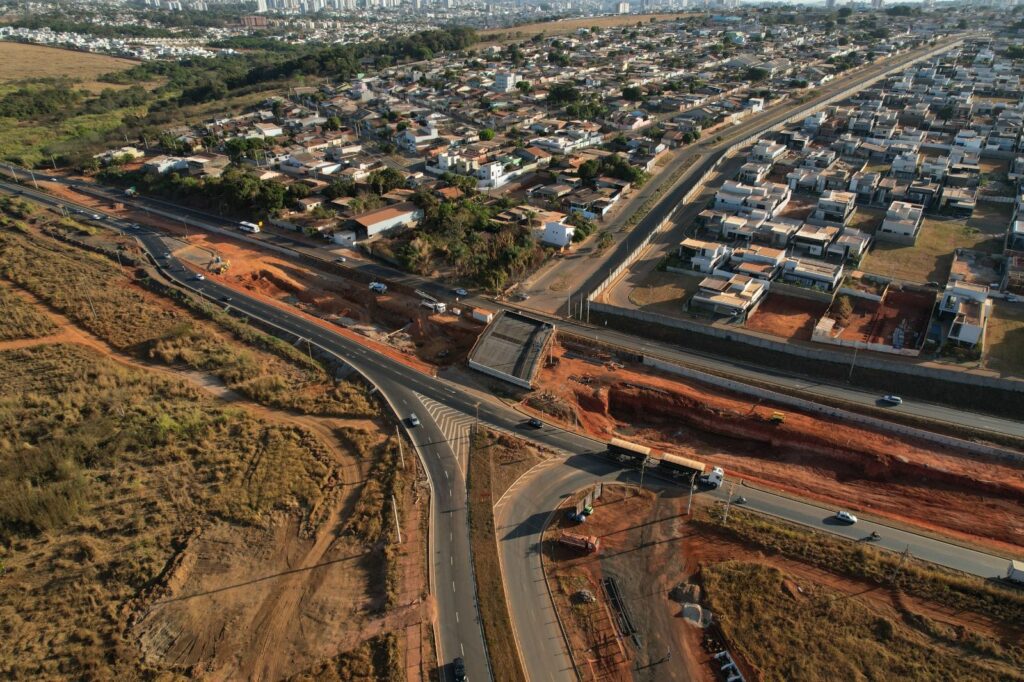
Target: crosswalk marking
455,426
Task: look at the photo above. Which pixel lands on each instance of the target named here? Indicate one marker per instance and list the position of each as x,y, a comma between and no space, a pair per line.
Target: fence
685,332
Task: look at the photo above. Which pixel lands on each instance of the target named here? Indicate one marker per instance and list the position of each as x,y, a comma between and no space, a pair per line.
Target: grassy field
1004,344
20,320
821,634
102,468
93,292
957,591
495,463
931,257
29,62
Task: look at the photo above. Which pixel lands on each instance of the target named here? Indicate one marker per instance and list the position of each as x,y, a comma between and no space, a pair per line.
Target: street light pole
690,500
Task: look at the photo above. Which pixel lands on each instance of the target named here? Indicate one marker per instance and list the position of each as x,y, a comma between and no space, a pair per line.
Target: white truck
1015,573
246,226
713,479
378,287
436,306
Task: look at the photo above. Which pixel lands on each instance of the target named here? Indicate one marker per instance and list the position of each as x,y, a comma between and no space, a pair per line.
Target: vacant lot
664,292
787,316
19,320
931,257
1004,342
565,26
95,293
20,61
794,629
103,471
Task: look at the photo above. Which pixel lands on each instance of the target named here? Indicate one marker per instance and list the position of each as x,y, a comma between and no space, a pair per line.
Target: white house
766,152
704,256
971,308
770,197
558,234
505,81
902,223
267,130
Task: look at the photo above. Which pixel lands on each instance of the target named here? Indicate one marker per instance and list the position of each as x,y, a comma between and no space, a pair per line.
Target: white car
414,421
461,292
845,517
892,399
200,277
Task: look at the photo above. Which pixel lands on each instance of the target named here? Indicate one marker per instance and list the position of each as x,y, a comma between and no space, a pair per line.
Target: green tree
384,180
486,134
632,93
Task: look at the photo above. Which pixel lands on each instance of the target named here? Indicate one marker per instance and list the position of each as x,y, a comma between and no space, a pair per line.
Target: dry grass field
566,26
20,61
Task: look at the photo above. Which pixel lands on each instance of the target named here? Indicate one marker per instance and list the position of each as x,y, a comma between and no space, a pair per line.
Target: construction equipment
588,543
777,418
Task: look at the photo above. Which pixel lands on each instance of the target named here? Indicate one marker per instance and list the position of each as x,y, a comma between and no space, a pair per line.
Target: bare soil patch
914,483
787,317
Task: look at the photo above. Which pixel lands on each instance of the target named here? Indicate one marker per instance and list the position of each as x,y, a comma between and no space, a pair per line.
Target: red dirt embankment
972,498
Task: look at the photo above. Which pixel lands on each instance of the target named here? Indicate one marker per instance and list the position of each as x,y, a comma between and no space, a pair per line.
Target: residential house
736,296
770,197
558,234
902,223
704,256
834,208
970,307
813,274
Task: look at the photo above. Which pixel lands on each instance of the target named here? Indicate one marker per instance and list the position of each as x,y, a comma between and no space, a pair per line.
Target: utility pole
725,519
398,524
904,555
849,377
401,452
643,466
689,501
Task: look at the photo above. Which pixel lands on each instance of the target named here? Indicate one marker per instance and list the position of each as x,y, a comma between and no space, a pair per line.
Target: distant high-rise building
261,5
830,4
876,5
623,8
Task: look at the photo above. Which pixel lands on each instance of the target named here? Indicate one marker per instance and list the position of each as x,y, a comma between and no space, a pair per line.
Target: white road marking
446,473
462,649
453,586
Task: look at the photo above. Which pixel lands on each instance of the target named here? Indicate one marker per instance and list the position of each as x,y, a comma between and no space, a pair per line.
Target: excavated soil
836,463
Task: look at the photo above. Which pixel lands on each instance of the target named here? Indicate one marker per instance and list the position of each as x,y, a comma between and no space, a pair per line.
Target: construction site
661,594
926,487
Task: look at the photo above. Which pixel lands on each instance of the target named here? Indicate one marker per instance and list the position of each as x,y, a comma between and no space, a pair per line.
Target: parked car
892,399
461,292
414,421
845,517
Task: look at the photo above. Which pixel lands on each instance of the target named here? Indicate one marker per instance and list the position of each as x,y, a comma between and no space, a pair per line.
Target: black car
535,423
459,670
225,298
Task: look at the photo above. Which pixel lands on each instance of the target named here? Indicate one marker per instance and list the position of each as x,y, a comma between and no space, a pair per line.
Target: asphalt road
522,513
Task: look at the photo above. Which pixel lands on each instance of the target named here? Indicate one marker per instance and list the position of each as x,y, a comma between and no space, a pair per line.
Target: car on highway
535,423
413,420
521,297
846,517
226,299
97,216
461,292
165,255
134,226
199,276
341,259
459,670
892,399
